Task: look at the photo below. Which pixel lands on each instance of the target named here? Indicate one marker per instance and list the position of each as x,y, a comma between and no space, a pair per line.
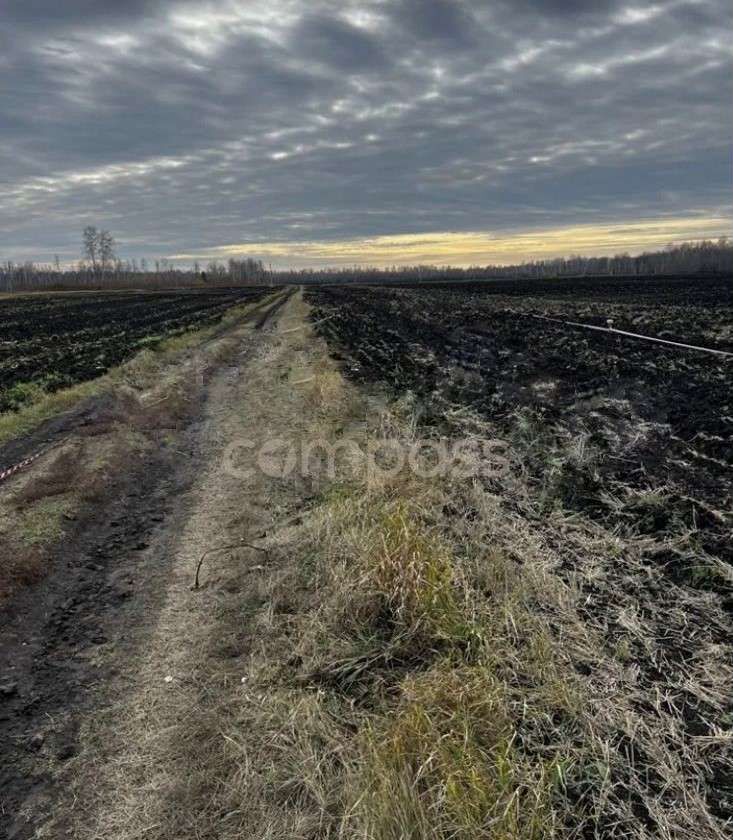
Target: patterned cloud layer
308,131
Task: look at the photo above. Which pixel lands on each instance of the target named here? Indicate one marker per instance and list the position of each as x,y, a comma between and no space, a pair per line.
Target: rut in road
149,736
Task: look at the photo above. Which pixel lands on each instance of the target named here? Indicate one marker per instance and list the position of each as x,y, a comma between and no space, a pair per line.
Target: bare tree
106,249
91,245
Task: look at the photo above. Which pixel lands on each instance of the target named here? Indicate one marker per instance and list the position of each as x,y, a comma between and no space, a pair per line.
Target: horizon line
467,249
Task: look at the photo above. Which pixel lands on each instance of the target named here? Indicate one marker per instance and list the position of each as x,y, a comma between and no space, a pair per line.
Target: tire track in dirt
66,640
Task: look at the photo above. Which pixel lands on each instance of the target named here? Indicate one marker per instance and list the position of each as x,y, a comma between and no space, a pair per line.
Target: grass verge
427,670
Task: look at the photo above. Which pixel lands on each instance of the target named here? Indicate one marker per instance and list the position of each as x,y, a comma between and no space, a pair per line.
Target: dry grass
140,403
42,506
444,763
457,683
44,406
403,632
325,394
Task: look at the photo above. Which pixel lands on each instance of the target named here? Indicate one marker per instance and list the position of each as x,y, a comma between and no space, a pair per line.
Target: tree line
706,257
101,268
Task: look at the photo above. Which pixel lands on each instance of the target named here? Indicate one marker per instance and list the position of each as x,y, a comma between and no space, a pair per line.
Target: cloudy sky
380,131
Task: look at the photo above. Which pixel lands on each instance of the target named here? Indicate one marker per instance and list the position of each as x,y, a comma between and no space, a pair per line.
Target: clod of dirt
8,689
66,751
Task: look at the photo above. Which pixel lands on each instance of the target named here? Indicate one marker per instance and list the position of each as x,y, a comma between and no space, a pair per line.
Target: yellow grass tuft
444,765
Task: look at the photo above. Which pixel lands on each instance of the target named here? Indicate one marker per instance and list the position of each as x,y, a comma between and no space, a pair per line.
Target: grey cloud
285,121
75,13
449,21
323,38
700,14
573,8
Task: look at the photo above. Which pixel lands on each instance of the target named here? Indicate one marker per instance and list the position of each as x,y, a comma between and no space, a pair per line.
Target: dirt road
112,662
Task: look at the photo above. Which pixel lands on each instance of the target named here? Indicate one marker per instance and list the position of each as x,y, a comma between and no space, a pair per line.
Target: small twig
222,548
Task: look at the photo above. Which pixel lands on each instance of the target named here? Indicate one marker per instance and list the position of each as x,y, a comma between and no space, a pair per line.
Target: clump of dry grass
414,572
324,392
444,763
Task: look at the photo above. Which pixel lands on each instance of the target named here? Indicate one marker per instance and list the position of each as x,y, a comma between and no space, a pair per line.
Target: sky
332,132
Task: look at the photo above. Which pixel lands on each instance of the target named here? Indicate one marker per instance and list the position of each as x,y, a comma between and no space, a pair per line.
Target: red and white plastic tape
16,467
26,462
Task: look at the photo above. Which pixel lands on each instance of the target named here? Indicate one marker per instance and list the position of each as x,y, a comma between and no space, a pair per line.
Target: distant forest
103,269
705,257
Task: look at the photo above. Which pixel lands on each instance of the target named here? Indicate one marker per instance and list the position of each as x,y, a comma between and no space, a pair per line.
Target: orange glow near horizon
476,247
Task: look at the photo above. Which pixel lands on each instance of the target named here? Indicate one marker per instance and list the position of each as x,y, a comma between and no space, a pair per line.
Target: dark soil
653,417
49,631
59,340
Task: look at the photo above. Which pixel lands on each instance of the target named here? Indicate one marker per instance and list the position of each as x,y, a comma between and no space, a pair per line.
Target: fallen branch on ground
240,544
